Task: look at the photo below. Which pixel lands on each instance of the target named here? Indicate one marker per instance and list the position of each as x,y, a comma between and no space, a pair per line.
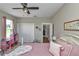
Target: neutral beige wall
37,22
67,13
33,20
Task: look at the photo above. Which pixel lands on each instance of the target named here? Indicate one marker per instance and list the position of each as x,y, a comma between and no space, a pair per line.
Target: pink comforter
69,49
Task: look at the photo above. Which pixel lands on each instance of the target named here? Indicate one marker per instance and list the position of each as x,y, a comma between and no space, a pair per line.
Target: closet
26,32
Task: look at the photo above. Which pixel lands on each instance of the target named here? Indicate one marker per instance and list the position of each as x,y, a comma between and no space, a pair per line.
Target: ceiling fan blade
25,8
24,4
32,7
17,8
28,11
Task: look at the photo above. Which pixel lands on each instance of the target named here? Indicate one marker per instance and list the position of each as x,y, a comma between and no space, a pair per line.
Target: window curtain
3,41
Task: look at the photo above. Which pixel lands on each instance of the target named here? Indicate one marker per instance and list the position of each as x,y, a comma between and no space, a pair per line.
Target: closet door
26,31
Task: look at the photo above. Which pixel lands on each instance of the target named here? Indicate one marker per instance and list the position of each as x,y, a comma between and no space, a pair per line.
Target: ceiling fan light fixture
28,12
24,10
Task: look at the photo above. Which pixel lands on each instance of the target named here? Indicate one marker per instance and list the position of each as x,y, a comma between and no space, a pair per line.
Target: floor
38,49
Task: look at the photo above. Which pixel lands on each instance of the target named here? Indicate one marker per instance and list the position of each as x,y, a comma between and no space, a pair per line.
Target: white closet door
26,30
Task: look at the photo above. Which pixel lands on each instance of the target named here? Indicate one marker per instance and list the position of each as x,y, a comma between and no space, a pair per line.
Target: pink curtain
3,41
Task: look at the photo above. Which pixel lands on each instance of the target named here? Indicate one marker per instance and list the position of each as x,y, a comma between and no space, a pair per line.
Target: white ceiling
45,9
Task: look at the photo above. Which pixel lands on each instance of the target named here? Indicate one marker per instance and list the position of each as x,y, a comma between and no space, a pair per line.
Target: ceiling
45,9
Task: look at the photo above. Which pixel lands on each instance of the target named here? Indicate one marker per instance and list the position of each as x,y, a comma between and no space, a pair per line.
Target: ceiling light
25,10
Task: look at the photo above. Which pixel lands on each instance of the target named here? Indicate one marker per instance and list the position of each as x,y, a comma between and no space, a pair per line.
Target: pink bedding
67,49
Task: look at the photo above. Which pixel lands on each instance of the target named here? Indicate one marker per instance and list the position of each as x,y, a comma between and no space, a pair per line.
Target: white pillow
55,49
68,39
76,36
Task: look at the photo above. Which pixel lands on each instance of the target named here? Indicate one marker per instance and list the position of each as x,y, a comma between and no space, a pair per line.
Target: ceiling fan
26,9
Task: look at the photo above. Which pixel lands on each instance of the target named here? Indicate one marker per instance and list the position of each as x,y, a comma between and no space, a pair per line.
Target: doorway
47,32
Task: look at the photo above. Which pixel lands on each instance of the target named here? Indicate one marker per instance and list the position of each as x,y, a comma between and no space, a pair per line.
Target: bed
70,42
69,49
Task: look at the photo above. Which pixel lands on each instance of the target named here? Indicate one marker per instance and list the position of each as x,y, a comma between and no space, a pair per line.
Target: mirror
71,25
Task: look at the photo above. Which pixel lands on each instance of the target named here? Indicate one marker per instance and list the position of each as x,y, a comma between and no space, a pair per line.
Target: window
9,29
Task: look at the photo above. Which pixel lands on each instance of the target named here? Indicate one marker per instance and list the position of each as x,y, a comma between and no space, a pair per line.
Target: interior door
50,33
26,30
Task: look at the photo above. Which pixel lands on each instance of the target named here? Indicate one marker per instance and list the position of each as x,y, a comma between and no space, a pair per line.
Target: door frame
50,30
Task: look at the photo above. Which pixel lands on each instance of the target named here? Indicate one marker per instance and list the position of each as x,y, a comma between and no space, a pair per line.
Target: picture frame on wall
71,25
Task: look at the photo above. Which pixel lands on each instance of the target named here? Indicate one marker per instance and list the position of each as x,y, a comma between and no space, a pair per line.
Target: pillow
55,49
71,38
68,39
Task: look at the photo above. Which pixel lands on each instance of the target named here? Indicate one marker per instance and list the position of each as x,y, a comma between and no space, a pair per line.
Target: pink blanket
69,49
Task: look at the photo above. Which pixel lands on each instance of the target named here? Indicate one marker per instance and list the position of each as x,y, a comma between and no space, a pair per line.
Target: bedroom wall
8,17
67,13
37,22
